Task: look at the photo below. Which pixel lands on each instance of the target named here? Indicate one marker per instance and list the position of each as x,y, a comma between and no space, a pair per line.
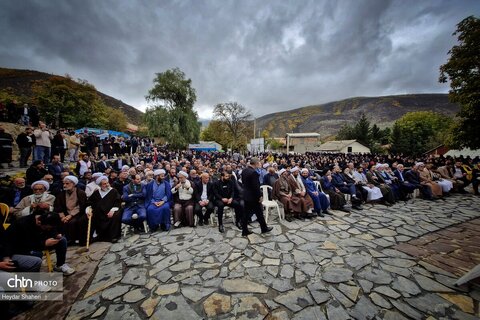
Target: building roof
336,145
303,135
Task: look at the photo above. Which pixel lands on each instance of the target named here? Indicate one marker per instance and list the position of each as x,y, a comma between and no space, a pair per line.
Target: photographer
43,144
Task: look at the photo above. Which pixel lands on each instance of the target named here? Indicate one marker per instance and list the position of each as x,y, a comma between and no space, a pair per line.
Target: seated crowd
52,206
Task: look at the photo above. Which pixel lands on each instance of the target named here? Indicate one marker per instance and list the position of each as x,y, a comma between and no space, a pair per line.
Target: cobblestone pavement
345,266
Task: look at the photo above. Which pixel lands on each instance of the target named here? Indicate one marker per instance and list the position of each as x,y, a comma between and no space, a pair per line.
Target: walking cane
88,212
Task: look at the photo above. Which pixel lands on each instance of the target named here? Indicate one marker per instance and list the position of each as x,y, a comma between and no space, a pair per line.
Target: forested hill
20,82
328,118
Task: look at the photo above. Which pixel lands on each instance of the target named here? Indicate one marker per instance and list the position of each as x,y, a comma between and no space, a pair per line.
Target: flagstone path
398,262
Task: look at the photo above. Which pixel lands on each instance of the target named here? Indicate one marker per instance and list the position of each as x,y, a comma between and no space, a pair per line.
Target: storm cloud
267,55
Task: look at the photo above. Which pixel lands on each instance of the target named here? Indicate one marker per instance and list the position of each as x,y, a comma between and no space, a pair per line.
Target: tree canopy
236,119
417,132
463,72
63,102
172,116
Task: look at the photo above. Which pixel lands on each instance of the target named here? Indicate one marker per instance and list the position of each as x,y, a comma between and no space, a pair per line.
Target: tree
463,72
416,132
63,102
346,132
237,119
217,131
172,116
362,130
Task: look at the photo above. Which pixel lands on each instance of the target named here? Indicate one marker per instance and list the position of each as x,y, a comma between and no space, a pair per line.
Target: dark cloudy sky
267,55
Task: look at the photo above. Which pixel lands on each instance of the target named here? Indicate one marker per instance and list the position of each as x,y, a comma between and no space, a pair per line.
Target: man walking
253,197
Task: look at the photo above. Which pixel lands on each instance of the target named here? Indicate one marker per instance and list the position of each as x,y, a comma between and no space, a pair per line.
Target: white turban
43,183
125,168
100,179
281,171
73,179
304,170
183,173
294,169
97,174
378,166
158,172
420,164
266,165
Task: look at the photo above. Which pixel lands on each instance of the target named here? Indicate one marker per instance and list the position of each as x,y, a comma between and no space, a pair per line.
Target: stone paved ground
339,267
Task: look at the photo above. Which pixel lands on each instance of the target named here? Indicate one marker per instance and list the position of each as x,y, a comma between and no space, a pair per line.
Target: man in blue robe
320,200
158,201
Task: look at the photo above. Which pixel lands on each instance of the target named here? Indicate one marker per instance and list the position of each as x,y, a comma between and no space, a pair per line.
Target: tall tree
463,72
416,132
362,130
237,119
172,116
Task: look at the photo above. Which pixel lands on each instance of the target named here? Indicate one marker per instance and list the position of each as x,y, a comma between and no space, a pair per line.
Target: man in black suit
252,196
103,164
406,187
119,163
204,198
225,196
413,177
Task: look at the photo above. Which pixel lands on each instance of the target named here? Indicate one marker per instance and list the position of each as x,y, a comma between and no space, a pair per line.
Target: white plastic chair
127,226
319,188
269,204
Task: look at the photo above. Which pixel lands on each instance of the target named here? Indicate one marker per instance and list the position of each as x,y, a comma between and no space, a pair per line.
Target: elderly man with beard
320,200
158,201
39,199
107,219
14,194
183,201
70,204
92,185
299,191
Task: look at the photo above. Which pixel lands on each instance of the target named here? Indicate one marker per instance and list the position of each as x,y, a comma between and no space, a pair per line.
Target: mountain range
326,119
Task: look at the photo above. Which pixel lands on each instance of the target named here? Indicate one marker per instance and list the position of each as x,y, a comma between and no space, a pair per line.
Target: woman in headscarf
70,204
107,219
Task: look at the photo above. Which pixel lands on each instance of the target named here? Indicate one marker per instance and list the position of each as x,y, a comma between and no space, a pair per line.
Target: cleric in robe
107,218
158,201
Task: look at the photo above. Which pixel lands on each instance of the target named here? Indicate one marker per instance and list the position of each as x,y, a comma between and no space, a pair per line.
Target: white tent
464,152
